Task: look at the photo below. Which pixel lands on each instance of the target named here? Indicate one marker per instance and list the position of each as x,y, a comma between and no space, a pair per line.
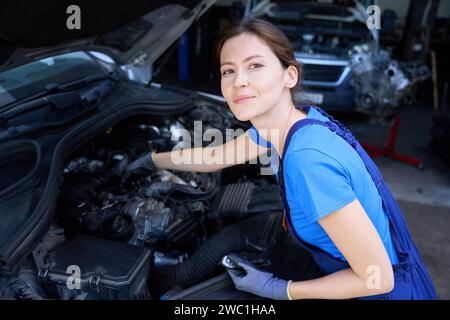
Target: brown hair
272,36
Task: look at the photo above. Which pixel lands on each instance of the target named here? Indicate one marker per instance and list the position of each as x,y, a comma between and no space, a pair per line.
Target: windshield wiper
86,97
57,88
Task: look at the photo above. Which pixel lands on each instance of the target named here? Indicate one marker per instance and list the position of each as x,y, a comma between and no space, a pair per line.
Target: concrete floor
423,196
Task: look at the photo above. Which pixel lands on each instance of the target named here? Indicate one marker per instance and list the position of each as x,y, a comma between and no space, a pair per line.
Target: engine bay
150,234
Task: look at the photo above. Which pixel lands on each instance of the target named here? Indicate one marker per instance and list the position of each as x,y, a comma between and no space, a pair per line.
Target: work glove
141,166
260,283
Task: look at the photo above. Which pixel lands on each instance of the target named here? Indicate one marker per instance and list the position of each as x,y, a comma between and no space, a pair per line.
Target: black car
72,116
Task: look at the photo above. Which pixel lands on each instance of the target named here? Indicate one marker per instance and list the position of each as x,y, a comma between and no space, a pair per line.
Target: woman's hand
140,166
258,282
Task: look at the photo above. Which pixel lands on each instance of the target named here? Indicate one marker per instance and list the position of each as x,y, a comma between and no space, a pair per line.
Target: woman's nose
241,80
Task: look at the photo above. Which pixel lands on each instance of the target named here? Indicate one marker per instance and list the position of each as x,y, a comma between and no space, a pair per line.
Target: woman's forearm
193,159
344,284
210,159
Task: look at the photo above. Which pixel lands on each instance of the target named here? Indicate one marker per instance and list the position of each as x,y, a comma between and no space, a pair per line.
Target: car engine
148,235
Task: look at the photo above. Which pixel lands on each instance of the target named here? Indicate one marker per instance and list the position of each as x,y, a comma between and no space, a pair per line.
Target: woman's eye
255,65
252,66
225,72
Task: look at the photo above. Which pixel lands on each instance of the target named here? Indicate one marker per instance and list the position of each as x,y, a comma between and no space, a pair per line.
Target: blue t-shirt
322,174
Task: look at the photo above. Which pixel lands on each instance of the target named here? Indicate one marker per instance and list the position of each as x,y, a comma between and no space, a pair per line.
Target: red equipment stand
389,149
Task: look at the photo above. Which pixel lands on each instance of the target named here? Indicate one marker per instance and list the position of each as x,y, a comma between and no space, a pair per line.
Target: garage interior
424,132
386,80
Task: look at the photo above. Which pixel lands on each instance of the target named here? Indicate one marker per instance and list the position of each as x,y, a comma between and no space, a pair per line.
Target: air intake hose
262,230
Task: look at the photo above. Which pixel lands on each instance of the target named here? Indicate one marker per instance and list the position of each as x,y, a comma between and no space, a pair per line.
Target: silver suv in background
344,68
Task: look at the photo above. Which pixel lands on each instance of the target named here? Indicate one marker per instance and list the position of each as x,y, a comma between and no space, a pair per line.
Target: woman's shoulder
319,138
313,154
317,146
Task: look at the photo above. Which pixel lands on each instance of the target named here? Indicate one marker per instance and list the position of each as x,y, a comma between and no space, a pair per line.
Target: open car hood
127,35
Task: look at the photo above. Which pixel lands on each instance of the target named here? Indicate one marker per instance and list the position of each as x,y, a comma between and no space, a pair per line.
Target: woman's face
252,77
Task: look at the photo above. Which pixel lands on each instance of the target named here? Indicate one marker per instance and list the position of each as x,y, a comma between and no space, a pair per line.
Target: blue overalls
412,280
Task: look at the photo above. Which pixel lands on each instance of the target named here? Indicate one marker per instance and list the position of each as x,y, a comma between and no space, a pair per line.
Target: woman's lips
242,99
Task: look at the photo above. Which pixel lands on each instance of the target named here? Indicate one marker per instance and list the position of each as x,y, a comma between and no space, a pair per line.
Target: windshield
29,79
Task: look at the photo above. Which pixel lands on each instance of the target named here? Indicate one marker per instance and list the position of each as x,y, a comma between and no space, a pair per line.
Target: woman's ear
291,76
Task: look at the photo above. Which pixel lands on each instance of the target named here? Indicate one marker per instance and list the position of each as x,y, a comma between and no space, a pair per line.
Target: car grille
323,73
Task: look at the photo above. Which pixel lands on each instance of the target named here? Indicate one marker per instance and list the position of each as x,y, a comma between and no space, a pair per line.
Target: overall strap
411,277
401,235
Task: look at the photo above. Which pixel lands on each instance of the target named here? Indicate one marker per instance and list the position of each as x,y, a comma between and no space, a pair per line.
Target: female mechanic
335,201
